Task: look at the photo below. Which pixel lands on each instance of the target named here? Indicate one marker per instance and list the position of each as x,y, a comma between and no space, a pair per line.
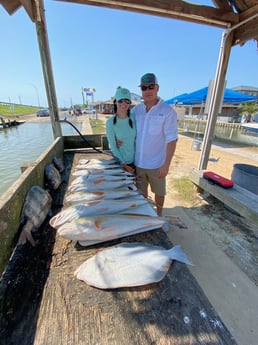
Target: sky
93,47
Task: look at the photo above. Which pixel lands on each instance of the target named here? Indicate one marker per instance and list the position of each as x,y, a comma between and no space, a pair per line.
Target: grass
16,110
185,189
98,126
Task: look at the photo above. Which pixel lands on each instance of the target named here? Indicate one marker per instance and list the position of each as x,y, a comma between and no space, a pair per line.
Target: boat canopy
240,14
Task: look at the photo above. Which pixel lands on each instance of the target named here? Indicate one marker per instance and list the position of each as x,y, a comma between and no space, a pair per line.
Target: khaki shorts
147,177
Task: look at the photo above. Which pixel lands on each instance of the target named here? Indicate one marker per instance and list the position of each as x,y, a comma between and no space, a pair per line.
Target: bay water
23,144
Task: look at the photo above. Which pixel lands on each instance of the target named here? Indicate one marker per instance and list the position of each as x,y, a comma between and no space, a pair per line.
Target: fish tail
178,254
166,226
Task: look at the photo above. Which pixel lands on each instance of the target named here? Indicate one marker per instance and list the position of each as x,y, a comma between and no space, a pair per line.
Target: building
247,90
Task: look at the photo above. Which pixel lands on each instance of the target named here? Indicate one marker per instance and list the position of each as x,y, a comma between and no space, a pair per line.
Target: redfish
109,227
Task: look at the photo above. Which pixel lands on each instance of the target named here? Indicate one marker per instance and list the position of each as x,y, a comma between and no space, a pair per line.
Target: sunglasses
149,87
127,101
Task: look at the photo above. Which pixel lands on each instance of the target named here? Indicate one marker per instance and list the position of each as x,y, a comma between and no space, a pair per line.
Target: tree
248,107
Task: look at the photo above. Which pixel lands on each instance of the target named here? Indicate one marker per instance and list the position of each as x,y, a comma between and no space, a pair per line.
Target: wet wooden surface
43,303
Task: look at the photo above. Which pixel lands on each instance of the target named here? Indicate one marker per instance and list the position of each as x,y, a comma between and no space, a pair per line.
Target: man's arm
163,170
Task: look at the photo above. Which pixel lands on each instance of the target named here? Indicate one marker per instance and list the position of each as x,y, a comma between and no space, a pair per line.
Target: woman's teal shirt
123,132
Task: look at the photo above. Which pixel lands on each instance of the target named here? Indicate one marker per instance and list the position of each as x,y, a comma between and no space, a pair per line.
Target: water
24,143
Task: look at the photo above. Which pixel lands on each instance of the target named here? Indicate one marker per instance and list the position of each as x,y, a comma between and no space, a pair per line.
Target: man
157,134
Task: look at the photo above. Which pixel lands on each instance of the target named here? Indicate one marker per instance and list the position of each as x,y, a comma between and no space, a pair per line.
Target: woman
121,128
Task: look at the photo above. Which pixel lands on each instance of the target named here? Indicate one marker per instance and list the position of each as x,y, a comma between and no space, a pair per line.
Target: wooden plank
41,302
237,198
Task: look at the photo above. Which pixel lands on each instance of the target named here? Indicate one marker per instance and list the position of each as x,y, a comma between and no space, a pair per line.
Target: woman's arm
112,140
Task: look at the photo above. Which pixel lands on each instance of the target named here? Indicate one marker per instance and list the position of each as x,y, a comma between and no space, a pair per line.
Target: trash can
246,176
196,145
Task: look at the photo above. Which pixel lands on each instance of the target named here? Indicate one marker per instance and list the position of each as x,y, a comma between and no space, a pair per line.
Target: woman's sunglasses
149,87
127,101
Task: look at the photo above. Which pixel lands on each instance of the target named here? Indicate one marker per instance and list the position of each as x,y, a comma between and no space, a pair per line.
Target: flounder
129,264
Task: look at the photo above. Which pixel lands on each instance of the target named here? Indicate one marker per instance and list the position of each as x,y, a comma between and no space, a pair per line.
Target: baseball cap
122,93
149,78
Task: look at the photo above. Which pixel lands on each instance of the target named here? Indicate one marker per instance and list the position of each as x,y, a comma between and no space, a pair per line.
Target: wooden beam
11,6
44,50
246,32
222,4
28,6
176,9
216,97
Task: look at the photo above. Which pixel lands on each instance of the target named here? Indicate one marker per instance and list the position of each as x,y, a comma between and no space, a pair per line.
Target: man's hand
162,172
119,143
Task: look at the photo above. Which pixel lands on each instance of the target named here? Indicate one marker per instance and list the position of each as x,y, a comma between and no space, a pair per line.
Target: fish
97,166
98,184
128,265
79,197
36,207
58,163
94,208
52,177
103,162
86,178
118,171
103,228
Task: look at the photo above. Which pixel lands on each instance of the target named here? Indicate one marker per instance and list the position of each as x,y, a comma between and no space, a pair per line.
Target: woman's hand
129,169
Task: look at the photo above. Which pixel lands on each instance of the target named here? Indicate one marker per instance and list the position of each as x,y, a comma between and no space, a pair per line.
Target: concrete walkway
86,127
230,291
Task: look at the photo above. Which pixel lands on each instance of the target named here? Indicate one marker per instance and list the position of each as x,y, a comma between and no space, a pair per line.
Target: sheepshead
94,208
58,163
52,176
79,197
36,207
129,264
108,227
99,184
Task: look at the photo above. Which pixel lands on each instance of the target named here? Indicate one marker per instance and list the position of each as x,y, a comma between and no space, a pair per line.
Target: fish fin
99,193
175,221
26,235
178,254
98,224
96,182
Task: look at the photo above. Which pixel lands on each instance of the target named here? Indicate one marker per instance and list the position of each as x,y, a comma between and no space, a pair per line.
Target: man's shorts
145,177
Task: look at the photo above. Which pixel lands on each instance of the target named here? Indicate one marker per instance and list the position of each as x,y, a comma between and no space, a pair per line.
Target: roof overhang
224,14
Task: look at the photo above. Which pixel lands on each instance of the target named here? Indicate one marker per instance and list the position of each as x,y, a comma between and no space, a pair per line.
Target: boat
41,302
7,123
253,127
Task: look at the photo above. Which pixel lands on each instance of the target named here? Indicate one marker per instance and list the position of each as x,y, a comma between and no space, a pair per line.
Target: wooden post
216,97
41,28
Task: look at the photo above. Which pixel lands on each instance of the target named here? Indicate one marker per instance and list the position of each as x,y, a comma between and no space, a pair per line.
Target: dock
7,123
43,303
236,198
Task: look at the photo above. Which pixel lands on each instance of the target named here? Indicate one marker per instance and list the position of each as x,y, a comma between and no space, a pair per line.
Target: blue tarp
199,97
